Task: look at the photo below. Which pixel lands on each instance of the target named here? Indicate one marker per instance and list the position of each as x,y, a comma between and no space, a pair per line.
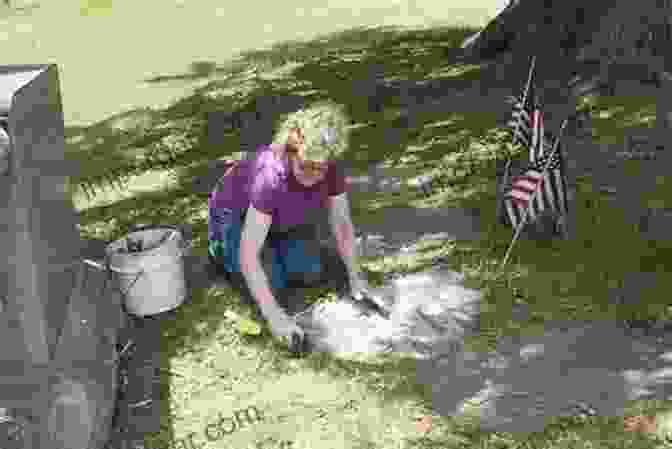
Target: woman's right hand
254,234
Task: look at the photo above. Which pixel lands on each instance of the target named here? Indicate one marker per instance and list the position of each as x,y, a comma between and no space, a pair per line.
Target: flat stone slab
527,381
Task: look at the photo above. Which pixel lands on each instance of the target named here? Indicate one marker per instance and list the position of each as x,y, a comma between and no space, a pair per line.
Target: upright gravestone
39,378
39,233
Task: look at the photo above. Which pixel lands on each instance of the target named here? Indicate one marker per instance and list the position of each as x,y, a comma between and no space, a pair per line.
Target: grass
371,403
613,115
137,166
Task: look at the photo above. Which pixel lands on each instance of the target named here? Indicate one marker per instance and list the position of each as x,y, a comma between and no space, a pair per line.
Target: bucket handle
184,230
186,242
108,268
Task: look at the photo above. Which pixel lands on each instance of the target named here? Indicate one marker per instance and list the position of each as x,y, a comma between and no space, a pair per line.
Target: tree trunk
612,34
663,123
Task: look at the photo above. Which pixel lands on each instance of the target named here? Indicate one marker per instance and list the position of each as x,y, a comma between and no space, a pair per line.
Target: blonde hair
324,126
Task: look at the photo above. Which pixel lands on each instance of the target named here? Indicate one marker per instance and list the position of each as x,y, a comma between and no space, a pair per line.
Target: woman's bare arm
343,229
253,236
255,230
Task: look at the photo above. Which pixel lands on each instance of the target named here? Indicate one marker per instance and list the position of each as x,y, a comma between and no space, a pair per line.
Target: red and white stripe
522,191
537,147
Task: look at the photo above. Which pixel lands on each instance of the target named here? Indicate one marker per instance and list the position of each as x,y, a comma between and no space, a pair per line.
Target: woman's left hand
358,286
361,291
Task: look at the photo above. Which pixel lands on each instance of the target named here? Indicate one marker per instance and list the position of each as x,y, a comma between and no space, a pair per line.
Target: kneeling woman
275,191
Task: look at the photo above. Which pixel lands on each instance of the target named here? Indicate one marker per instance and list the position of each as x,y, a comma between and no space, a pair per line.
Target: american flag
521,122
553,193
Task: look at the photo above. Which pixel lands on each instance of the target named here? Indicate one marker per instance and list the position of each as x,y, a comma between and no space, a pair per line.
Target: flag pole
534,197
563,219
525,94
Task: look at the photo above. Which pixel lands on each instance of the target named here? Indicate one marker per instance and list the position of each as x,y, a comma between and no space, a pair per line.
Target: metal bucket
150,265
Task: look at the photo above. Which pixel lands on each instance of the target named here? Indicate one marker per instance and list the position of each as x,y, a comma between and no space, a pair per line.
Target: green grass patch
612,116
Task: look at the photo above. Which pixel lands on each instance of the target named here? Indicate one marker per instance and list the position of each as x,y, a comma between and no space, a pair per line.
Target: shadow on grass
367,70
200,70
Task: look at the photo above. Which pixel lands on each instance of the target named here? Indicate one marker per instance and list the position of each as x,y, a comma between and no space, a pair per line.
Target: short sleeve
264,186
335,180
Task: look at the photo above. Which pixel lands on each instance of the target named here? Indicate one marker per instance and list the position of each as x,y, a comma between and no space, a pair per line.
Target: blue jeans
289,256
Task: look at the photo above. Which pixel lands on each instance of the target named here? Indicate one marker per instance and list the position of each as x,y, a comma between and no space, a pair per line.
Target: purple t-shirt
267,183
